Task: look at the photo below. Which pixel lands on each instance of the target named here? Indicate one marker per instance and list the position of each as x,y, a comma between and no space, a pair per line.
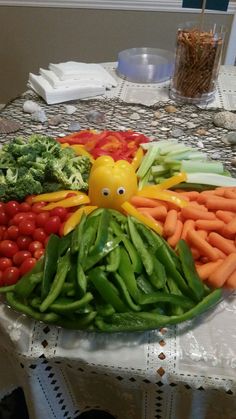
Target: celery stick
159,169
148,160
211,179
161,143
171,147
144,180
190,166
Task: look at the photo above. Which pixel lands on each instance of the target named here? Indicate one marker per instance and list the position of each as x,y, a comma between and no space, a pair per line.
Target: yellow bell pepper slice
153,192
137,158
64,145
73,201
153,224
80,151
54,196
75,218
172,181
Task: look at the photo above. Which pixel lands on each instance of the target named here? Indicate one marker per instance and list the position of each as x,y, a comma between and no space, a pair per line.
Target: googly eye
105,191
120,190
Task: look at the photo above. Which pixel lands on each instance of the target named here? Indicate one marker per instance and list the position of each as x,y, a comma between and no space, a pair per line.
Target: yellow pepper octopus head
111,183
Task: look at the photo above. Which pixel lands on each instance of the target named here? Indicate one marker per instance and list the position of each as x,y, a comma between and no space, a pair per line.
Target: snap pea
106,289
173,289
158,276
6,288
130,322
17,305
102,232
63,267
141,249
50,264
115,228
191,275
105,310
89,236
144,284
64,244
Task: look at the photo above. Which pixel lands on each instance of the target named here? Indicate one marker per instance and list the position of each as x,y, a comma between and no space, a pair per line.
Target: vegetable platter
110,232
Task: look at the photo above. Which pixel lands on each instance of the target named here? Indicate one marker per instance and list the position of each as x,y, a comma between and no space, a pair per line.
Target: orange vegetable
224,271
188,224
231,281
225,216
211,225
159,213
216,203
202,245
141,201
196,214
173,240
205,270
154,193
225,245
230,228
170,223
153,224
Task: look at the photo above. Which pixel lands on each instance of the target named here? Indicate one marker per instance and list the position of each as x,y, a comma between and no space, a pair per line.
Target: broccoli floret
68,174
47,144
6,159
51,186
11,175
26,185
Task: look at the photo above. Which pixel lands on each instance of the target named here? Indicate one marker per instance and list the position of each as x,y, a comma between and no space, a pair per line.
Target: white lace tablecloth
183,372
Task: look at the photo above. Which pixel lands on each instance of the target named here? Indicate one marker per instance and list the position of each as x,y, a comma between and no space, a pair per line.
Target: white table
184,372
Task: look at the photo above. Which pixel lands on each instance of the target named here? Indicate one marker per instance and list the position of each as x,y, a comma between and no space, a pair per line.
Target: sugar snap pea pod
113,260
96,257
63,266
126,271
106,289
133,255
77,234
120,218
162,297
26,285
191,275
131,322
50,265
65,305
124,291
158,277
17,305
78,322
141,249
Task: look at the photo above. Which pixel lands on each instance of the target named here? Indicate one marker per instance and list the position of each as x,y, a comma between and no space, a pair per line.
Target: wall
33,37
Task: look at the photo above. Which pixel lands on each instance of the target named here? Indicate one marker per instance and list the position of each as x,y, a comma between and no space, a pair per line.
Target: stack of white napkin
70,81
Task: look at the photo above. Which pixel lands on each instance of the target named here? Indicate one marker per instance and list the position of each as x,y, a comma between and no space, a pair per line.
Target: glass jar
197,63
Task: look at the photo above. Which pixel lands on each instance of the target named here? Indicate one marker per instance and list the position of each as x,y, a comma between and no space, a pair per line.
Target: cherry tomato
37,207
3,218
29,199
11,275
52,225
25,207
20,256
42,218
20,216
35,245
13,232
11,208
2,206
38,253
2,231
23,242
1,279
39,235
27,265
5,263
26,227
8,248
61,212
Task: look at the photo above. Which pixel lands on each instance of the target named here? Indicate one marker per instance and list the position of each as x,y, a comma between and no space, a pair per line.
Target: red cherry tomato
52,225
61,212
13,232
23,242
11,208
35,245
42,218
11,275
20,256
3,218
8,248
20,216
2,206
5,263
27,265
38,253
37,207
2,232
39,235
1,279
29,199
26,227
25,207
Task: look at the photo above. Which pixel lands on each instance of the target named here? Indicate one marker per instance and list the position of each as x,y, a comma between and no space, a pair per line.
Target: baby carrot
230,194
173,240
225,245
225,216
188,224
205,270
195,253
159,213
224,271
211,225
230,228
202,245
199,206
231,281
202,233
196,214
191,195
221,254
216,203
170,223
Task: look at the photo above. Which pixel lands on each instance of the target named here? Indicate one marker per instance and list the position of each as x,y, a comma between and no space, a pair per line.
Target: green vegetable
50,263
